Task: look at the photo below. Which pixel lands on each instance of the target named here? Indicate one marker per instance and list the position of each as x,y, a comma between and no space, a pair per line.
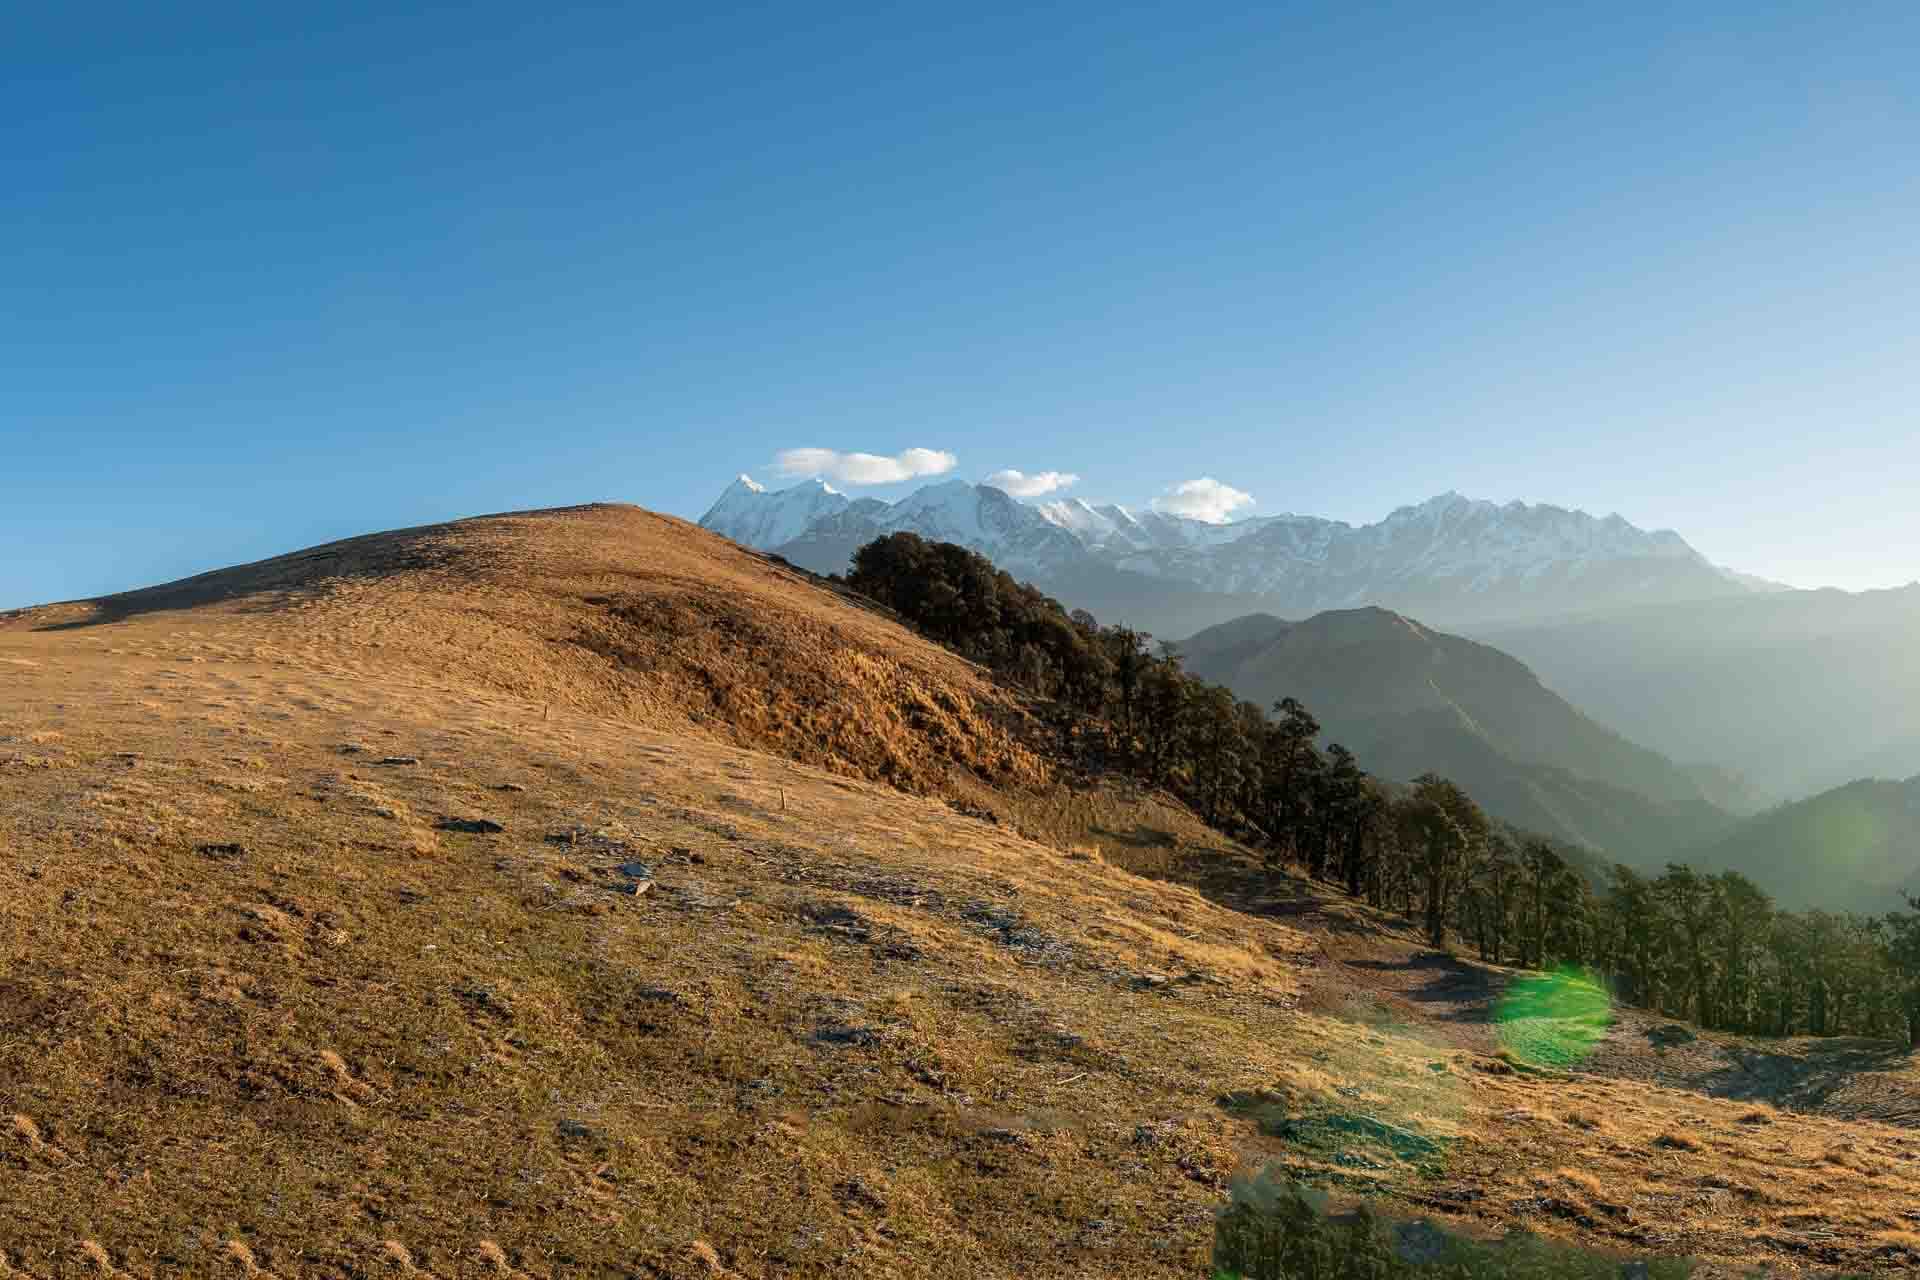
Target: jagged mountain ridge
1448,559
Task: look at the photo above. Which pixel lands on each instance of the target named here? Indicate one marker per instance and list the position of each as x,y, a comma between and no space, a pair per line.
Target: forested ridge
1712,948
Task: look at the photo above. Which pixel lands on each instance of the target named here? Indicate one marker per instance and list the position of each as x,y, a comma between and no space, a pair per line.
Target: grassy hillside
1854,848
1409,699
616,611
399,908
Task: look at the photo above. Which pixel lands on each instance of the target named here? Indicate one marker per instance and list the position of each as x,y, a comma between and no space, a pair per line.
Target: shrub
1277,1230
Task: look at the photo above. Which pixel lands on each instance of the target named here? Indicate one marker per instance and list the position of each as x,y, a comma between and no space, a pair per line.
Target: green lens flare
1552,1019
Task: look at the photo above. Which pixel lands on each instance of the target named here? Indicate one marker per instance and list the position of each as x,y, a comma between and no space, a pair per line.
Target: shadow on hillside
110,610
267,586
1240,884
1444,987
1809,1081
1141,837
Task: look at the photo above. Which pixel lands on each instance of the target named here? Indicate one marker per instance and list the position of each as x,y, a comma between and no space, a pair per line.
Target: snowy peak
752,515
1451,533
1015,536
1012,534
1095,526
1448,559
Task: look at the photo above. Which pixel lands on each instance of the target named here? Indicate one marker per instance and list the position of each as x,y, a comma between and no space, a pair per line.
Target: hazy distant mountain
1856,848
1727,789
1450,559
1408,699
1798,691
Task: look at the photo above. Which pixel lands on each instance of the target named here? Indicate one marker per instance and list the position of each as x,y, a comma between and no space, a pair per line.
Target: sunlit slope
608,610
310,960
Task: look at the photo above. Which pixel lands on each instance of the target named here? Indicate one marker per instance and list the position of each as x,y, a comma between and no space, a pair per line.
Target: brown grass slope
273,998
618,612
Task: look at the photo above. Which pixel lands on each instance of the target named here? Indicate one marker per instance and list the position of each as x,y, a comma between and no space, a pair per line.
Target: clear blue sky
274,274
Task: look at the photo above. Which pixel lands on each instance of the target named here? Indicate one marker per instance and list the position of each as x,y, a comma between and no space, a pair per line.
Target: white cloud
1203,499
1022,485
864,468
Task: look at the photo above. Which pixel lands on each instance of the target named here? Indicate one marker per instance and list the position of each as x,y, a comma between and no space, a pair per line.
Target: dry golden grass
264,1011
616,612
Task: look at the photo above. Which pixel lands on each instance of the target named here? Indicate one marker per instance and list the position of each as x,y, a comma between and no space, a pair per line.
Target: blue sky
276,274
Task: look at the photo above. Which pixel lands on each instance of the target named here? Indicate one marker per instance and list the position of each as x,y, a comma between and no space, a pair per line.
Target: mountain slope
1408,699
1854,848
1449,558
397,902
394,908
1798,691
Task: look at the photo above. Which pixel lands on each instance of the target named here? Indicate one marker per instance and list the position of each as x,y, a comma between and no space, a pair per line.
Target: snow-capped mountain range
1449,559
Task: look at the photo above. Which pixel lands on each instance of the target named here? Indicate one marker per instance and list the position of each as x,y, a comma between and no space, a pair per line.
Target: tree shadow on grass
1447,988
1812,1080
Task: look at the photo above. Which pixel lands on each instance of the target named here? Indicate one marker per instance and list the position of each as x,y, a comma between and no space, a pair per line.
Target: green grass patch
1552,1019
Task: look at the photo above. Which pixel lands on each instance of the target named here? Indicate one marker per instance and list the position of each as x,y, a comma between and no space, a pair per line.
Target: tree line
1714,949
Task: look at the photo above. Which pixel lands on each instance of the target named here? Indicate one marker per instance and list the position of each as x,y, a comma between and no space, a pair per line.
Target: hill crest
613,610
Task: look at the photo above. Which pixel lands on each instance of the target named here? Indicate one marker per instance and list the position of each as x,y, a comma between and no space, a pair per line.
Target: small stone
838,920
473,826
860,1193
508,786
397,760
635,870
632,888
483,999
575,1130
837,1033
224,852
